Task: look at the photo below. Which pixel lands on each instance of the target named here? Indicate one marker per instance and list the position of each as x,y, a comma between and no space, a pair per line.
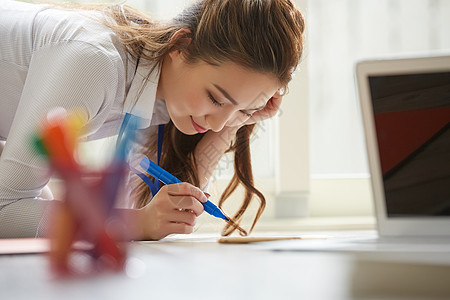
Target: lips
197,127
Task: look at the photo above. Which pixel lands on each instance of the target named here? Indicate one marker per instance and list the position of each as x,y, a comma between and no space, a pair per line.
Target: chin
190,132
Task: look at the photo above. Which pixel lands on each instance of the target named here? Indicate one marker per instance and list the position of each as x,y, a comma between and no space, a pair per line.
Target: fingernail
207,195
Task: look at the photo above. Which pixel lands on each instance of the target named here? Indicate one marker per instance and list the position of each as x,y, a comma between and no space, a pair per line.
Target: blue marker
167,178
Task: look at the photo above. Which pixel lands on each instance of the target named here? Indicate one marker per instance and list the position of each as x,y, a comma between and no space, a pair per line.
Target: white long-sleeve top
48,58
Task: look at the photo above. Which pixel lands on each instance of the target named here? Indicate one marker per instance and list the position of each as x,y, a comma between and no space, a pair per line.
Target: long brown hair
262,35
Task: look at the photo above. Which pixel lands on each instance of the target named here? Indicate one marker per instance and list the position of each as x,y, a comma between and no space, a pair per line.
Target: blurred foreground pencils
86,212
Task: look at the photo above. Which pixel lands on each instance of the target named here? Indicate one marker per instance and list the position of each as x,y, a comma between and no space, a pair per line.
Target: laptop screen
412,120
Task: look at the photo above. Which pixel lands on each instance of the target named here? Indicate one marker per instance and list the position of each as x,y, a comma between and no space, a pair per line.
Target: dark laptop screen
412,120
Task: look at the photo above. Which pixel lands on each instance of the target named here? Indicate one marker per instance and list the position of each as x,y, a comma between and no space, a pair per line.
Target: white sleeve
68,74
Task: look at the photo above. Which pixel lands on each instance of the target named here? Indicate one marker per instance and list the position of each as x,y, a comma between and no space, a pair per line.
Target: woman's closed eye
217,103
213,100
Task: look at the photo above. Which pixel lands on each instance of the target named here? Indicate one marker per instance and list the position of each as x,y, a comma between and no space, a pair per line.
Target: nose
218,121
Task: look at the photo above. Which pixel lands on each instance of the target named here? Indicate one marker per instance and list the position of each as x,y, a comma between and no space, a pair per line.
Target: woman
209,74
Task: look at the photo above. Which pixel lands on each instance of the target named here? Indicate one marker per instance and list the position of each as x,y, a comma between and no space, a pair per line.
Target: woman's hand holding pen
174,209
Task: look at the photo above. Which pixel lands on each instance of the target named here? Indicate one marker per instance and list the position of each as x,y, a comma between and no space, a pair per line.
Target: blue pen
167,178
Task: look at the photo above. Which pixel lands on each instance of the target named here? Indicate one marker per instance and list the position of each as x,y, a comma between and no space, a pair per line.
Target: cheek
196,104
185,101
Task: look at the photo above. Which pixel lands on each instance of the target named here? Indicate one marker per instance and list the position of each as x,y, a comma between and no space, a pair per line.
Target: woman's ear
179,41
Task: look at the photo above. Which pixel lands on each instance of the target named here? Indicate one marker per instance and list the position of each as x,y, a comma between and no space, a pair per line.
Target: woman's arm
209,151
213,145
72,75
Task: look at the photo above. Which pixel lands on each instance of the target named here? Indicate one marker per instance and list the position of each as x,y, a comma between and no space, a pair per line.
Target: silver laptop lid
406,113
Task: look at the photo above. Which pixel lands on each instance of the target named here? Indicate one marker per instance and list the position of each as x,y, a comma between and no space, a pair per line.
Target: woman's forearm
24,218
209,151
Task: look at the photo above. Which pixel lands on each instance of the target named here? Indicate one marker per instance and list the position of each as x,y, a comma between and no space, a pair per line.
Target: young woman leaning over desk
208,75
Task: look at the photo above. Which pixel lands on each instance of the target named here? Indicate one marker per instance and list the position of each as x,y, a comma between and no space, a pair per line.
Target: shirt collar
140,100
160,113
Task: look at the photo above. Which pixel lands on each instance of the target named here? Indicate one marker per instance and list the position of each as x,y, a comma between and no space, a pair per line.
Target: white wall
340,33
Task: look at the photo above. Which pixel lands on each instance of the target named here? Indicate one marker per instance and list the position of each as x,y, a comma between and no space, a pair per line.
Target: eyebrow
225,93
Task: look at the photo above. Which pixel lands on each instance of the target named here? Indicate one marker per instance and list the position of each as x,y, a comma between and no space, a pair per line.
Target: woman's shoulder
54,26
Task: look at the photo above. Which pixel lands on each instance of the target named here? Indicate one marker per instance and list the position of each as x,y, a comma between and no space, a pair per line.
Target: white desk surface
197,267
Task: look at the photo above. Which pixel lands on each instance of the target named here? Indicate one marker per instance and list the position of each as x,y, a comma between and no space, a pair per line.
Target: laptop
405,105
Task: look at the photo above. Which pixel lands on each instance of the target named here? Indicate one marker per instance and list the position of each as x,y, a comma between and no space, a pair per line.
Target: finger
186,189
273,105
179,228
187,202
275,102
186,217
270,110
197,208
263,114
